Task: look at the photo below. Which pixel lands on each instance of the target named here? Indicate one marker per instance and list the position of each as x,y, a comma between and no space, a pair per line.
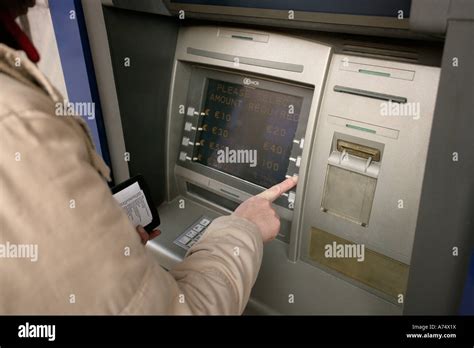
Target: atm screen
247,132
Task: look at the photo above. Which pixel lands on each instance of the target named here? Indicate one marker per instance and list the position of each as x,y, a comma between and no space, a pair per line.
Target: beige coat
53,195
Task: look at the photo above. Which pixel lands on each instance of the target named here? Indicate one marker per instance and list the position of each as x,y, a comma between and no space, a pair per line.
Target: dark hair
12,9
16,7
6,38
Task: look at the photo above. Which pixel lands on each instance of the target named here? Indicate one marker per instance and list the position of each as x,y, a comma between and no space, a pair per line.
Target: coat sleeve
218,273
88,250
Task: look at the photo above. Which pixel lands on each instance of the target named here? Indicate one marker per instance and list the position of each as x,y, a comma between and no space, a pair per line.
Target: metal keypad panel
193,233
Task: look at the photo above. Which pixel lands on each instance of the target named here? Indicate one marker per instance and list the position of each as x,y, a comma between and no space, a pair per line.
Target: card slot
370,94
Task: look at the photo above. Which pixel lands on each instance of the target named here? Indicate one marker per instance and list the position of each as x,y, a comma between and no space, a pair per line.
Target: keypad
193,233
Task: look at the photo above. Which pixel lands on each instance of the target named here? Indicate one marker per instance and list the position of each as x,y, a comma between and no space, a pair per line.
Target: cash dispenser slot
358,150
351,179
370,94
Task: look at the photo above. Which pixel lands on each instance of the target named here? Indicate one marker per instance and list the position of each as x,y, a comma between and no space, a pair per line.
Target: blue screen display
248,132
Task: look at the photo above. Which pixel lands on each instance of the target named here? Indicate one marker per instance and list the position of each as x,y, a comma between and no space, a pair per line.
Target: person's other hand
144,236
258,209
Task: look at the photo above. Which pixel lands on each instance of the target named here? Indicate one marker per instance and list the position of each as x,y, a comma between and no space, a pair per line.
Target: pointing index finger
276,191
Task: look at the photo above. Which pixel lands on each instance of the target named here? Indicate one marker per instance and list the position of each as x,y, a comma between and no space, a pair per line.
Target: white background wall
41,33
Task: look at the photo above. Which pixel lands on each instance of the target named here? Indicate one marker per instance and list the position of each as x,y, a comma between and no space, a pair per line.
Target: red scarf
22,40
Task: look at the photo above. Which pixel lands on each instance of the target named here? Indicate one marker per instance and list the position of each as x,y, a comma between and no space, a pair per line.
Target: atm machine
345,97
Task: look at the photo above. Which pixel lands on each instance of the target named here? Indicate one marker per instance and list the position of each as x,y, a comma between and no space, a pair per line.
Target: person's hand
144,236
258,209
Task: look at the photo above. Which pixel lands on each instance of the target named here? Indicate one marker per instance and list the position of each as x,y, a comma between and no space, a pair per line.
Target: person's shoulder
20,99
31,114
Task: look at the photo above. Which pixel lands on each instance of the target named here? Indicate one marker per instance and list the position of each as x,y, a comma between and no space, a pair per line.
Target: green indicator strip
371,72
360,128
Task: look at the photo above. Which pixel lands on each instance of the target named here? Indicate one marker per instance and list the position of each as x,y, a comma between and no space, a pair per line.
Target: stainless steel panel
397,194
